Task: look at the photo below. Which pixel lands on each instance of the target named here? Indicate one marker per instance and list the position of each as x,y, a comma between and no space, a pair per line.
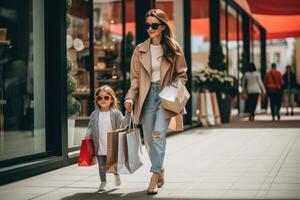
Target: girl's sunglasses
154,26
106,98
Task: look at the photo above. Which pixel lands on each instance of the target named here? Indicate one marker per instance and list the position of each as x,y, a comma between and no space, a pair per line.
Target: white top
104,127
156,57
253,83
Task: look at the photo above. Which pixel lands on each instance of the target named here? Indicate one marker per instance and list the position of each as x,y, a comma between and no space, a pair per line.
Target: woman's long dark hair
168,43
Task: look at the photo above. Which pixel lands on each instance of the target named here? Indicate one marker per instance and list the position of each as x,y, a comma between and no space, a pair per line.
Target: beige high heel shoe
161,178
153,189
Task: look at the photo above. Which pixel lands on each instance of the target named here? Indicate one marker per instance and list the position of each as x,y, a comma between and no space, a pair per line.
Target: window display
107,45
22,79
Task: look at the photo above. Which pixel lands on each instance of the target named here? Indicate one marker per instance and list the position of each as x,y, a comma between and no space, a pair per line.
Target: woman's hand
128,107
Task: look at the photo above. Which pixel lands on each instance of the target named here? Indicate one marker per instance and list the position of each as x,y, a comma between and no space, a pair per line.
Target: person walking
154,63
289,88
253,85
274,82
105,118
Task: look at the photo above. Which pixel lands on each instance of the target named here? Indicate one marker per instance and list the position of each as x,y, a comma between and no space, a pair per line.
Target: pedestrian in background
274,83
253,85
289,88
154,63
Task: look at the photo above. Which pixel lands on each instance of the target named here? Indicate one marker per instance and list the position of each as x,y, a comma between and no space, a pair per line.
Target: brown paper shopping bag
202,110
176,123
174,96
112,150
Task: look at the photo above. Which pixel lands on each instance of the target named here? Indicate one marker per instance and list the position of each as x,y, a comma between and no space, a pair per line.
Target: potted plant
220,85
224,90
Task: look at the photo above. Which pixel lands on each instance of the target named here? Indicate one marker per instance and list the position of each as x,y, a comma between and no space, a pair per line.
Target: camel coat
141,72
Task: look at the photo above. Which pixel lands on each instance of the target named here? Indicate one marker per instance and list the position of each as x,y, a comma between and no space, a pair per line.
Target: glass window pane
78,78
107,45
22,78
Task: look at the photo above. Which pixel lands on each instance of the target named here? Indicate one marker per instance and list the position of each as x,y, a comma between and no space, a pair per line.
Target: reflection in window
22,78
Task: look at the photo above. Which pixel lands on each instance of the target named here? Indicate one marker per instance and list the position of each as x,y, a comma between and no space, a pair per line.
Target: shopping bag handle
131,121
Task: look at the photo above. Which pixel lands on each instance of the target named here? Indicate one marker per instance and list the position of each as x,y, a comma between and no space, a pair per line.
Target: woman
154,63
289,87
253,85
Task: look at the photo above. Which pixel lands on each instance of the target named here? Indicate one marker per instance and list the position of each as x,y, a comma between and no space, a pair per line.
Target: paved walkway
240,160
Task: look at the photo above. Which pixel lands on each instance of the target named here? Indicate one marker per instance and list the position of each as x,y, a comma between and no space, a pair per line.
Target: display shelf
108,81
5,42
81,118
80,93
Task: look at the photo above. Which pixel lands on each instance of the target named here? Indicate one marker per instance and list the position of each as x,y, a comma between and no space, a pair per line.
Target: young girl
105,118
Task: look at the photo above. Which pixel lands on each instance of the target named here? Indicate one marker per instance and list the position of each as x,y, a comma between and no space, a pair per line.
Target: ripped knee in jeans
156,135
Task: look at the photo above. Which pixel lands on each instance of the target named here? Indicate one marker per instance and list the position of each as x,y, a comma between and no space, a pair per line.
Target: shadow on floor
107,195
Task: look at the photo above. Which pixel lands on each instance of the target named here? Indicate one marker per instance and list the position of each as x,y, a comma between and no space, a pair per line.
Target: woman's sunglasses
154,26
106,98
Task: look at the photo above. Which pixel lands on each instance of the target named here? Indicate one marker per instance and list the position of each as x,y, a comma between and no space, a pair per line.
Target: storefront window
78,78
22,78
108,37
200,44
108,66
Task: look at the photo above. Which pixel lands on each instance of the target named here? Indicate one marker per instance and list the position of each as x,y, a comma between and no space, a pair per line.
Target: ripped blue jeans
155,126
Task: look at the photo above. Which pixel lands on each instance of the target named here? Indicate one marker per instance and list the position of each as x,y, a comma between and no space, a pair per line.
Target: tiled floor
234,161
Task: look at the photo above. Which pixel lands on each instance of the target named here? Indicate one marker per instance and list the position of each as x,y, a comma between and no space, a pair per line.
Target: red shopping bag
87,153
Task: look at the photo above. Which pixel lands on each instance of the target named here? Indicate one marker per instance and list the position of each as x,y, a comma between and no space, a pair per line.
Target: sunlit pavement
239,160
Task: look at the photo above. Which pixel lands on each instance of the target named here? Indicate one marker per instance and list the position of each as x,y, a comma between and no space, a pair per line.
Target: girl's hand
128,107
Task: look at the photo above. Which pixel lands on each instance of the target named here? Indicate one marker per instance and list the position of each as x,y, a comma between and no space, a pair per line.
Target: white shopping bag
122,164
209,110
129,150
174,97
133,149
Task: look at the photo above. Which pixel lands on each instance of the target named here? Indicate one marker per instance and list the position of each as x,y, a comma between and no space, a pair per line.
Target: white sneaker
102,186
117,179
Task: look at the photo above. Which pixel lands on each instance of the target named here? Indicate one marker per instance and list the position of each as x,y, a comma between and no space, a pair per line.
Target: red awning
275,7
280,18
280,26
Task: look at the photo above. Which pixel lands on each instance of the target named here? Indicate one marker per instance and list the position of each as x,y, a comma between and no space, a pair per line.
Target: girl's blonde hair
111,92
168,43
